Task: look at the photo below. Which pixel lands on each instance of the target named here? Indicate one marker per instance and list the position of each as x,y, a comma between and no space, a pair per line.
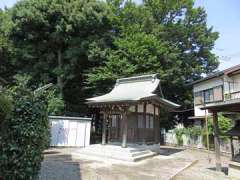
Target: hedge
25,135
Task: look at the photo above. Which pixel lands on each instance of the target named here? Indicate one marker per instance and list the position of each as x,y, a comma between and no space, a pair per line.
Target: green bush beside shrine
24,132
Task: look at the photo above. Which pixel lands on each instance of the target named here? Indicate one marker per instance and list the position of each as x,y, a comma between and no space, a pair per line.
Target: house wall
208,84
211,83
231,89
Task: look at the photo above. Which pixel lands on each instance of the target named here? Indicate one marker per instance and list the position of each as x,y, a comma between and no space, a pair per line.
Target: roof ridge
145,77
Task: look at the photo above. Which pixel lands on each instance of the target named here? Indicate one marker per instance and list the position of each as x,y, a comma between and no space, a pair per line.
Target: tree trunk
59,78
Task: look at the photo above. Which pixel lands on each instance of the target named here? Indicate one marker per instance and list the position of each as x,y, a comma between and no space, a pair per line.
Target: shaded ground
59,165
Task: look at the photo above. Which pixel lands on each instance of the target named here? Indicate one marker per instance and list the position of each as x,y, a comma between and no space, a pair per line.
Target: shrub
194,131
179,132
224,124
26,134
55,103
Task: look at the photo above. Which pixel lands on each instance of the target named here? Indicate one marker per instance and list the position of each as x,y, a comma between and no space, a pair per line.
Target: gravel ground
58,164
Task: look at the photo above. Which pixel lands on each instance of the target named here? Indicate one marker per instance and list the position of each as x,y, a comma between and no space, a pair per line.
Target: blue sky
224,16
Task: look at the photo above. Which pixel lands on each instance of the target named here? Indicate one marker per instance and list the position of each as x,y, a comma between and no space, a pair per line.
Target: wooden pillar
110,126
144,122
104,128
206,127
125,129
156,126
137,130
159,127
216,141
232,147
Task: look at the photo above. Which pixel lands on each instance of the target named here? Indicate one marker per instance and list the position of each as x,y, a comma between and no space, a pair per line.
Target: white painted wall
70,131
198,111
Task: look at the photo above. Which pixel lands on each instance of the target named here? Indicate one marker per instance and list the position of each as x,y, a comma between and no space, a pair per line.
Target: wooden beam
136,129
144,121
110,126
156,125
206,128
216,141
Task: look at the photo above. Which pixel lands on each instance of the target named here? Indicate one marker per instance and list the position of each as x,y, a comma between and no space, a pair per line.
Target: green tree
7,68
166,37
58,40
55,103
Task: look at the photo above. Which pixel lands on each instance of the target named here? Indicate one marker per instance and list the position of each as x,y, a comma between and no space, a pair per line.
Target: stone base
132,153
234,169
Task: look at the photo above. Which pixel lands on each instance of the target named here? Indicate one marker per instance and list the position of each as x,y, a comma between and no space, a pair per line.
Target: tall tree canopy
58,40
7,68
85,45
166,37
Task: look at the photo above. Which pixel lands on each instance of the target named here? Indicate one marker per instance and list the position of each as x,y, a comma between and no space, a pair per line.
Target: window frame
203,96
149,121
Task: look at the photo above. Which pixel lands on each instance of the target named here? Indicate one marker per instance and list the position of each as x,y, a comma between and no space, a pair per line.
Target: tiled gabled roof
134,89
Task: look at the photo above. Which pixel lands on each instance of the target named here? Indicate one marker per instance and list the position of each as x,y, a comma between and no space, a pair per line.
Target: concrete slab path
58,164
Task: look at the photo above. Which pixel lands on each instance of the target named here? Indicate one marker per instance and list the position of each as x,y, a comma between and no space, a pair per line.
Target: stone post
125,129
104,129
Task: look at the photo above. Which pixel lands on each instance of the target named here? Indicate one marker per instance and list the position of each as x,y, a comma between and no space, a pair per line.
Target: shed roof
146,87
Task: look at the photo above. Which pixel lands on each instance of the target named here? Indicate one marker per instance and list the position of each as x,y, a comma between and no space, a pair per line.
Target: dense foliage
55,103
24,133
56,41
166,37
7,51
224,124
5,107
83,46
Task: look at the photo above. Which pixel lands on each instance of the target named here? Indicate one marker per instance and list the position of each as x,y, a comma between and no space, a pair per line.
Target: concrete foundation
132,153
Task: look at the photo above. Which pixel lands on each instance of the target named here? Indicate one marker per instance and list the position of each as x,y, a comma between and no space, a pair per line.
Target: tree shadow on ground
60,167
167,151
51,152
224,170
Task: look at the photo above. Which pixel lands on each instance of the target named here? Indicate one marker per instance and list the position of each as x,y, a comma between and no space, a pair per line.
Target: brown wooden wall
135,134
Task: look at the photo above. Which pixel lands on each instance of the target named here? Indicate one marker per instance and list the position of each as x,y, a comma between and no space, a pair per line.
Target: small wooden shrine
133,110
